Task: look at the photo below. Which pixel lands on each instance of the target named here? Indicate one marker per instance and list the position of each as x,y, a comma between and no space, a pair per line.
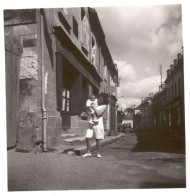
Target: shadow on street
159,143
163,185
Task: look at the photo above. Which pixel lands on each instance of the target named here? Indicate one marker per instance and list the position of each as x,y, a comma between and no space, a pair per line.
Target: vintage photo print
95,97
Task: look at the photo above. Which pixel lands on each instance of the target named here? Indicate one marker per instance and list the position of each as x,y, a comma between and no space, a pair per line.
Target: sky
139,39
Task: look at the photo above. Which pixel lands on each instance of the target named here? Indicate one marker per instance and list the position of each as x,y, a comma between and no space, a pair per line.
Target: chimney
175,62
168,72
160,88
151,95
172,67
179,56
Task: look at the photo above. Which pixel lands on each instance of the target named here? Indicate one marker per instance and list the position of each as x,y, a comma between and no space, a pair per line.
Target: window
169,118
85,30
178,116
172,89
75,27
105,72
82,13
93,41
64,21
65,100
175,90
111,81
179,87
168,94
93,53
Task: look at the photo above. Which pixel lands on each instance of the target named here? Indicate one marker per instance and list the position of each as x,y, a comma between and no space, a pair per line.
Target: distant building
143,118
175,97
120,116
159,111
164,111
137,120
127,121
55,58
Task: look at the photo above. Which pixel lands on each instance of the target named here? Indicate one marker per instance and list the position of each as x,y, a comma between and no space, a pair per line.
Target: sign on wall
109,89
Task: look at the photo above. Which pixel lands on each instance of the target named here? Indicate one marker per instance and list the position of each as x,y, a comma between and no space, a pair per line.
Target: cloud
139,39
128,102
137,28
132,87
140,88
126,71
131,92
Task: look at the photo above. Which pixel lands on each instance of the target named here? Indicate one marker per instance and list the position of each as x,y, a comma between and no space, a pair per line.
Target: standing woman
97,130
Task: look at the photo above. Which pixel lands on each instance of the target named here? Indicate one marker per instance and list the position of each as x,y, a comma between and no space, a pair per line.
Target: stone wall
22,24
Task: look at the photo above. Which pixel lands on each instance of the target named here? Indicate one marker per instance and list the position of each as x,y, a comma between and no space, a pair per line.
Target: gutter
44,111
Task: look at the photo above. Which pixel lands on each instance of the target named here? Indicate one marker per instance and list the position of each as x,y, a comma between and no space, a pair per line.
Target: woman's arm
100,112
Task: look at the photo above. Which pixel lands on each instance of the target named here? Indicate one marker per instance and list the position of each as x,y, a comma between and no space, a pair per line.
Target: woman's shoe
87,155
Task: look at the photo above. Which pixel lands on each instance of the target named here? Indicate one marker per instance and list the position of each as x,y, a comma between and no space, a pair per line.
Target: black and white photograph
95,97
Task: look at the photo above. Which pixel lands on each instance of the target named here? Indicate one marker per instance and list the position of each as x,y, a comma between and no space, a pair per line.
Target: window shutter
76,95
85,38
59,80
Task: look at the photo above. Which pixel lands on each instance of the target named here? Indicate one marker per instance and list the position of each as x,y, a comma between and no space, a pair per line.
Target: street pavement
124,165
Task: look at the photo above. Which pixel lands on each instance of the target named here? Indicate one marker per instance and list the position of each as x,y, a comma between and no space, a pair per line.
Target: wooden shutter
85,38
76,95
13,50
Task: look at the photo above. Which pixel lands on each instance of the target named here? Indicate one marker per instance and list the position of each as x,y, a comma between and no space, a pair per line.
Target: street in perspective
95,98
125,164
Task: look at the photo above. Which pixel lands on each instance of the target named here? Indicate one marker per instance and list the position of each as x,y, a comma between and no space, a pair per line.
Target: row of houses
55,58
164,111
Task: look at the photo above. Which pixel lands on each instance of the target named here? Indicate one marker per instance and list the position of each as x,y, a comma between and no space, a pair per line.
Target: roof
128,116
128,110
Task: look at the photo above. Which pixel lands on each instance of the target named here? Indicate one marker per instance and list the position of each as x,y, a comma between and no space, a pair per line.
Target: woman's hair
104,97
92,95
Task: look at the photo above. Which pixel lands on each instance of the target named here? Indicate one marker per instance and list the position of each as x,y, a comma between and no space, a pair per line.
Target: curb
81,150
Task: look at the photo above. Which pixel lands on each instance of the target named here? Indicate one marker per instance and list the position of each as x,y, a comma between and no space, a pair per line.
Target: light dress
96,130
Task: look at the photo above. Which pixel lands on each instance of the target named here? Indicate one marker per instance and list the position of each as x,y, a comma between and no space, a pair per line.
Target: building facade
63,58
175,97
160,120
143,115
164,112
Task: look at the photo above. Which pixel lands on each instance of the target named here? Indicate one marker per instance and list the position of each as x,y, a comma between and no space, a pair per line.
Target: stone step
78,130
68,135
74,141
75,147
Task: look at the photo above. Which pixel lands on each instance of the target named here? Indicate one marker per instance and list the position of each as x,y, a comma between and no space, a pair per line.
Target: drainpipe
44,111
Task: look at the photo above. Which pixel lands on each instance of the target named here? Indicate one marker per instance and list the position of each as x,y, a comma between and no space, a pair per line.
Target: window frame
67,100
75,28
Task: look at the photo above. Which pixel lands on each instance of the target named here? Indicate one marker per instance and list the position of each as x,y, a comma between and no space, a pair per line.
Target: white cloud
126,71
146,36
128,102
136,30
140,87
130,93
